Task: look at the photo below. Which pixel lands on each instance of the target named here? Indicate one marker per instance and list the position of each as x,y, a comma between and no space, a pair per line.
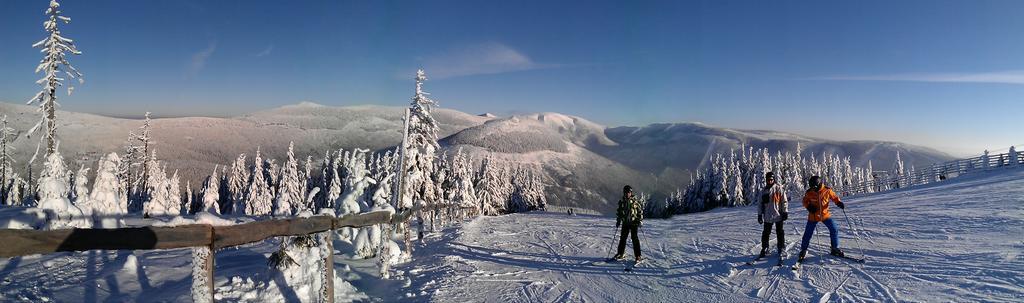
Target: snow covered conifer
106,200
55,48
211,193
80,189
290,188
237,185
6,161
259,199
356,181
420,146
53,195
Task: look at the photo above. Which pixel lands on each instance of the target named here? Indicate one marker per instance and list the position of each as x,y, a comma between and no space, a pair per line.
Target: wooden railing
575,210
935,172
20,242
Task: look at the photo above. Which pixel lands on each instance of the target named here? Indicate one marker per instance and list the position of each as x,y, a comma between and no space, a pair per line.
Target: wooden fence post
202,273
327,259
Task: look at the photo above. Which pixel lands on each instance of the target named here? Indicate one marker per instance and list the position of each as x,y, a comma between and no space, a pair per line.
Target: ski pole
850,225
608,253
643,234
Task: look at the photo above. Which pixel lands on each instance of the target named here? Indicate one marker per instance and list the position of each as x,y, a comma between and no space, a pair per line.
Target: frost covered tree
7,176
333,181
53,196
310,183
55,67
464,193
291,188
106,201
79,186
356,181
211,193
420,146
162,200
174,191
143,147
259,199
237,185
127,175
488,188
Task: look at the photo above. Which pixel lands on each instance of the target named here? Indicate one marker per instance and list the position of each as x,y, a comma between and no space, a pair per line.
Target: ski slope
959,240
955,241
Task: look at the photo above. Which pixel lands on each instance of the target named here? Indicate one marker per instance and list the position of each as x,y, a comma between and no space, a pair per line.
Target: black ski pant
629,229
779,232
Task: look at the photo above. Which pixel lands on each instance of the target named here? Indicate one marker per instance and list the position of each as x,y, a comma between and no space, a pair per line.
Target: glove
617,223
812,208
760,220
785,216
841,205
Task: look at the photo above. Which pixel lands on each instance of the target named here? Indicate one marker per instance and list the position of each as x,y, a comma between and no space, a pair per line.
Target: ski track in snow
939,242
958,240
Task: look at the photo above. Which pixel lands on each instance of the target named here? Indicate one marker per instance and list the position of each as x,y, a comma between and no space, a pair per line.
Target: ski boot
800,259
837,252
617,257
764,250
639,259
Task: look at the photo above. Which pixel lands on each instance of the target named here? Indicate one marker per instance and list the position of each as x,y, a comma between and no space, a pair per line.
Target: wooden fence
934,173
20,242
575,210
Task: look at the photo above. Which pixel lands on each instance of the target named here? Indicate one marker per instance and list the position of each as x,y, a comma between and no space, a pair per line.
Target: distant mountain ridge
585,163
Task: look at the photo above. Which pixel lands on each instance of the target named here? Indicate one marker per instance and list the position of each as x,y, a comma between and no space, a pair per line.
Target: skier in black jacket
629,215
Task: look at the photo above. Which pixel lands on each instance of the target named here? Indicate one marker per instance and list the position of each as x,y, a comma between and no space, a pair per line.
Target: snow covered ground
958,240
955,241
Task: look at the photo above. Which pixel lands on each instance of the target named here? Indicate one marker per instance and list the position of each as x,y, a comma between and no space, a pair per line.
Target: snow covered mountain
586,163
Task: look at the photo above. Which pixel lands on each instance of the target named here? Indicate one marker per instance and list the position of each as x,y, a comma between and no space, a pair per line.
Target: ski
605,261
752,262
630,266
853,259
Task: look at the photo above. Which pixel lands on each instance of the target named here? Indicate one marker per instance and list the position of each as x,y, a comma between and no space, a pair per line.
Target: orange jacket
820,198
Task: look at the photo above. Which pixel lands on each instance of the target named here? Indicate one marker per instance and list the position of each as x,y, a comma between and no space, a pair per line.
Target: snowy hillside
687,146
585,163
185,143
955,241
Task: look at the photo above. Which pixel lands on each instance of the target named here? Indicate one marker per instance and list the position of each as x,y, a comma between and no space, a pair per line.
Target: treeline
735,179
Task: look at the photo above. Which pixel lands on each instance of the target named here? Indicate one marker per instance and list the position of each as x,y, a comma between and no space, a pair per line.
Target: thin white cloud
198,60
265,52
478,59
1004,77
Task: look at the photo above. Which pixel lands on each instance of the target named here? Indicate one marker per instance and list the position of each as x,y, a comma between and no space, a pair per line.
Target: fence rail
936,172
575,210
20,242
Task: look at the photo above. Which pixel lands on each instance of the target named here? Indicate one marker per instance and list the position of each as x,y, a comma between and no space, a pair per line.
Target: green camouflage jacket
629,212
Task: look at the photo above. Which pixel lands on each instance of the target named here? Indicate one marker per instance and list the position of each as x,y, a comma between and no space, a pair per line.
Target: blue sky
945,74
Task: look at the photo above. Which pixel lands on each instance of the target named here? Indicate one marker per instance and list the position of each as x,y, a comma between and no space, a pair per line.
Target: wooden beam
362,219
233,235
20,242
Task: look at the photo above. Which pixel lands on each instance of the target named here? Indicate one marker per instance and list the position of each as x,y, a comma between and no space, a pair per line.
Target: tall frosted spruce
55,67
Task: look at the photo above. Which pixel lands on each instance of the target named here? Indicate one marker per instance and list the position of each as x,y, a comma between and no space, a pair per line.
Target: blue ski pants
833,233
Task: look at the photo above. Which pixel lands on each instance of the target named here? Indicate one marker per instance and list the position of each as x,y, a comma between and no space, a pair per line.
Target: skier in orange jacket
816,200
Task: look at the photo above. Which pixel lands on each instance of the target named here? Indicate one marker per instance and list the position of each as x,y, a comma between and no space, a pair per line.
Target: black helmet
769,175
814,182
627,189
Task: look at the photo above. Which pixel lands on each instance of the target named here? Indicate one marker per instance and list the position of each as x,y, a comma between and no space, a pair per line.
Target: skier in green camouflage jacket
629,215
